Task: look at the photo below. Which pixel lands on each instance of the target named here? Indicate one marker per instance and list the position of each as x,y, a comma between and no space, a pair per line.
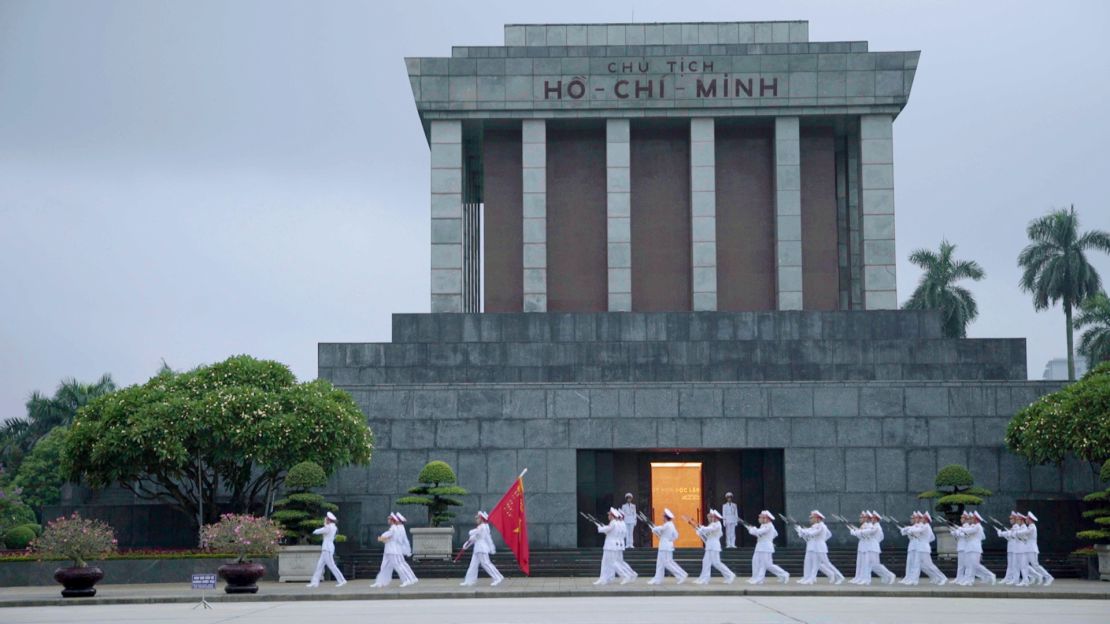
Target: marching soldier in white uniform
711,535
628,513
920,549
327,554
817,550
763,557
969,551
870,534
408,577
482,542
612,548
664,558
1013,563
731,516
1033,551
393,560
624,570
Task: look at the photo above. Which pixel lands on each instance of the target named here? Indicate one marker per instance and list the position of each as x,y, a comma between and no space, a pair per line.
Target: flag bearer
482,542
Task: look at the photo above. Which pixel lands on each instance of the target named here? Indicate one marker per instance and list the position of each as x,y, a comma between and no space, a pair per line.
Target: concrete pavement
512,588
669,609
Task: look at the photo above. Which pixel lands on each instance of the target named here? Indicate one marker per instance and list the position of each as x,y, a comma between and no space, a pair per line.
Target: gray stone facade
849,442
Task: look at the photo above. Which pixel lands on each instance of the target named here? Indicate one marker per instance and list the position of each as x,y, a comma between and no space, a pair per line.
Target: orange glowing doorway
677,486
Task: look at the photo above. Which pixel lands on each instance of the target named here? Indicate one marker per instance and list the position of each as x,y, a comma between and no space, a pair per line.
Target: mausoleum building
663,262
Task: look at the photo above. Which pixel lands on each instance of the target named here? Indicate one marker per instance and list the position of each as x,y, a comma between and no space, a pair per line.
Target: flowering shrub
75,538
244,535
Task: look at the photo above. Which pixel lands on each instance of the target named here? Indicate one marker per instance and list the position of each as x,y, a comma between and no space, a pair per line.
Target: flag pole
522,474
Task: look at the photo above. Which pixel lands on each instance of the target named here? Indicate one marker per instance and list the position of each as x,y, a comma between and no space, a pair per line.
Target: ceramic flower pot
78,582
242,578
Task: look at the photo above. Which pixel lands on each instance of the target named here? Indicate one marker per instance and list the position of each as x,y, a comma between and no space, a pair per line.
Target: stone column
877,204
788,214
618,187
534,162
703,214
447,221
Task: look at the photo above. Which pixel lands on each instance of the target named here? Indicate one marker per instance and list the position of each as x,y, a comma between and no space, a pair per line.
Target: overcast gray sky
192,180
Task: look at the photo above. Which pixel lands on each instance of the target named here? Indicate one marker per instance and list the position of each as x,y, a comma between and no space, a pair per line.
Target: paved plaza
581,610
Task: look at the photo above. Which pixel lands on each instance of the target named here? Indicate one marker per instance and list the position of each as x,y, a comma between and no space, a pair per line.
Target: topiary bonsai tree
956,490
302,510
436,491
1101,512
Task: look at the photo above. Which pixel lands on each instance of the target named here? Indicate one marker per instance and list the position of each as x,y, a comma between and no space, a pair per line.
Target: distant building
1057,368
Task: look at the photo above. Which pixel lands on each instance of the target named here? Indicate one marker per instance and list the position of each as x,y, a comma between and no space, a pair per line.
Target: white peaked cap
393,516
616,512
1029,514
330,516
667,513
976,514
714,512
927,516
767,513
1014,513
628,494
401,518
817,513
483,515
727,494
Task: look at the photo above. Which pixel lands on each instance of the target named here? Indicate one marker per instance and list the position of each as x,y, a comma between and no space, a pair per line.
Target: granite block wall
848,445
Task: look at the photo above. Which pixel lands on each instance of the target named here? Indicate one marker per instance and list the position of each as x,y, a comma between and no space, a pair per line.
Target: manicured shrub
19,538
437,492
955,491
302,511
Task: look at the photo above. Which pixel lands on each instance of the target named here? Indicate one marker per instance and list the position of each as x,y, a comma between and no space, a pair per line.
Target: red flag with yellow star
510,519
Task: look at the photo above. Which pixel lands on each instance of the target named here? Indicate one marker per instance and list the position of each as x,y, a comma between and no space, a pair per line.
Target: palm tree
19,435
1094,314
937,289
1055,266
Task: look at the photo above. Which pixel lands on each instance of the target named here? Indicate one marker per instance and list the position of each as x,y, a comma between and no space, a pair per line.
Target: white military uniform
731,518
393,559
327,555
969,554
817,553
1033,552
624,570
613,547
482,542
628,510
870,534
711,535
763,559
664,558
404,570
919,554
1013,563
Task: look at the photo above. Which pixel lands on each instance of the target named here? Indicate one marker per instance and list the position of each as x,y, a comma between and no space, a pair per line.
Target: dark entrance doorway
754,476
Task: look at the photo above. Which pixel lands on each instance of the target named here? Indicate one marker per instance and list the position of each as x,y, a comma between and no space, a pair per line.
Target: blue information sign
204,581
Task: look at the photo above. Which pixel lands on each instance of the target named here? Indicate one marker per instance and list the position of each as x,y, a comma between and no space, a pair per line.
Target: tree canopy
437,492
1094,318
938,289
1073,421
222,436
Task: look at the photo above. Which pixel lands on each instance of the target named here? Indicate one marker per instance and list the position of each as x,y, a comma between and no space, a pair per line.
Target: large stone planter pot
297,563
1103,551
429,543
242,578
78,582
946,542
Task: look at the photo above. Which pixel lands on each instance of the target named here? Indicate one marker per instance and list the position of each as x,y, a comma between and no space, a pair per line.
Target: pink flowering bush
76,538
244,536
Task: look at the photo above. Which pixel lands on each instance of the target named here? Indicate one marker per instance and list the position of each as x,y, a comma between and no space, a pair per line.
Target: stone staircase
364,564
